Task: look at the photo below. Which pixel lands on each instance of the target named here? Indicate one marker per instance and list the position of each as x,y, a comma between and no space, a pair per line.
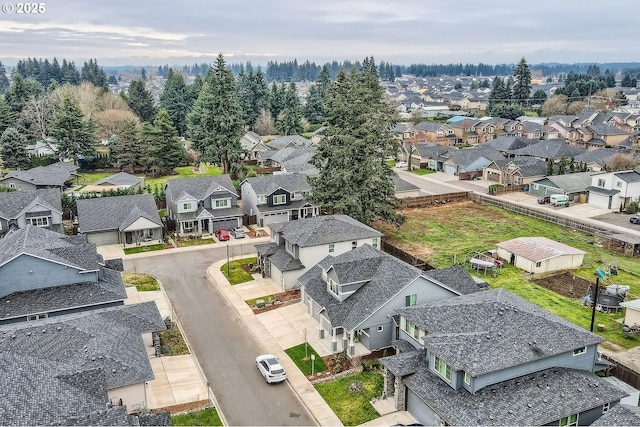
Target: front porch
141,237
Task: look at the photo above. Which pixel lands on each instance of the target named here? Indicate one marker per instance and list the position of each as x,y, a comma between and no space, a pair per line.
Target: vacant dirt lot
566,284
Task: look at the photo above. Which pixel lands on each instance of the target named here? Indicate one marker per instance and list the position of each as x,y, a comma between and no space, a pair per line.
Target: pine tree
175,99
20,91
354,178
316,98
91,72
126,150
215,123
161,144
13,151
72,133
7,117
288,122
276,99
4,81
140,101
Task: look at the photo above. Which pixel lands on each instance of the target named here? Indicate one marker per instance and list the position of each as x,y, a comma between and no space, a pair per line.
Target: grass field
205,417
142,282
301,356
236,272
428,234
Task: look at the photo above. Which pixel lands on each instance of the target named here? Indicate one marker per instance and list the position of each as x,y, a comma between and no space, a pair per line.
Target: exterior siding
31,273
133,396
249,199
16,183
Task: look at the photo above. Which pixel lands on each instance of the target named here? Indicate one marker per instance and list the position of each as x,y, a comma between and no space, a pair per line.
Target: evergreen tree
125,149
7,117
140,101
20,91
354,178
314,107
91,72
288,122
276,100
522,85
175,99
215,123
161,144
72,133
4,80
13,151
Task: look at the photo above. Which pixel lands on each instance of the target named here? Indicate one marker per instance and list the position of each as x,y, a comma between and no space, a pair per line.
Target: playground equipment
607,299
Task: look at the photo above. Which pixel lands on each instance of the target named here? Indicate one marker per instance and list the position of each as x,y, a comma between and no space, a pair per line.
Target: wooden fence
405,256
433,199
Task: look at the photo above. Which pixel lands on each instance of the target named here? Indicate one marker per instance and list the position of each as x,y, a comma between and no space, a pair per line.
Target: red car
222,234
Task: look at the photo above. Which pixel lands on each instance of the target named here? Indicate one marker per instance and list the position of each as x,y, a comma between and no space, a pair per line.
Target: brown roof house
539,254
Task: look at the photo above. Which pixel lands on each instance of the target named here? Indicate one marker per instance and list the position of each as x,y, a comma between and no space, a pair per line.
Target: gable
141,224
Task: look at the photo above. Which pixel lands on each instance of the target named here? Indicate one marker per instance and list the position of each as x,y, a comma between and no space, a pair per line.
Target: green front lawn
301,356
140,249
236,272
205,417
184,242
142,282
422,171
349,397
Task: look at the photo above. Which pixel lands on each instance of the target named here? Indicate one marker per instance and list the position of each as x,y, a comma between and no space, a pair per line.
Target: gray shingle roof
469,331
265,185
56,298
283,141
400,185
549,149
284,261
629,176
15,202
74,360
534,399
115,213
620,415
49,245
323,230
56,174
572,182
599,155
199,187
456,278
121,178
109,416
406,363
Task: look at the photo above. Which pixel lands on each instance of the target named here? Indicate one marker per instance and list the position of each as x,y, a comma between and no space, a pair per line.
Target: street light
228,267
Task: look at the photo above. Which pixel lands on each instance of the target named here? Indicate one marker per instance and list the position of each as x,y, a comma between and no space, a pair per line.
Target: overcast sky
144,32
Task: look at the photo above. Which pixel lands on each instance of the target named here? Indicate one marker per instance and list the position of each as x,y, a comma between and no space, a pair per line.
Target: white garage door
104,238
227,223
417,408
273,218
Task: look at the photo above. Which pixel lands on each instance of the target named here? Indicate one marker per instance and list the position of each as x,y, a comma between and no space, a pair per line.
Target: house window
538,264
410,300
536,186
333,287
354,245
579,351
37,317
442,368
601,183
279,199
605,408
332,247
41,221
411,329
374,242
619,184
262,200
187,206
221,203
380,328
467,378
12,185
289,247
571,420
188,226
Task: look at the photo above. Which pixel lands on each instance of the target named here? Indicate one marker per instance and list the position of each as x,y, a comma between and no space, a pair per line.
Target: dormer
340,291
187,204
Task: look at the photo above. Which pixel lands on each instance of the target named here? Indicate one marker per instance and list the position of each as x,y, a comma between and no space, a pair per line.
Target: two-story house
277,198
41,208
58,175
64,324
298,245
614,190
353,295
492,358
202,205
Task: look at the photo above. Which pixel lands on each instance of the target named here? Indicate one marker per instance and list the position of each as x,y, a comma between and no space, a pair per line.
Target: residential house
130,220
506,145
600,135
298,245
440,133
574,185
65,327
596,160
251,142
613,190
294,141
119,181
429,156
44,147
554,150
40,208
353,295
57,175
539,254
493,358
277,198
202,205
619,415
469,160
464,130
514,171
294,160
632,312
530,130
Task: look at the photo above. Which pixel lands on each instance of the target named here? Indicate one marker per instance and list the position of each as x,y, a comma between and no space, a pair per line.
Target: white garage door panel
102,239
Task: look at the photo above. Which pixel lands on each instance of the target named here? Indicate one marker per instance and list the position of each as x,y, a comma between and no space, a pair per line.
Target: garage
228,223
272,218
420,411
103,238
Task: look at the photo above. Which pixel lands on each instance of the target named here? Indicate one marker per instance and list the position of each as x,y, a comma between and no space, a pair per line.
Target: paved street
225,349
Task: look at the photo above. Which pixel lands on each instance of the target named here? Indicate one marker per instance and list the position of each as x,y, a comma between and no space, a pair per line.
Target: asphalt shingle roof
13,203
620,415
73,360
549,149
534,399
56,174
121,178
115,213
266,185
199,187
323,230
469,331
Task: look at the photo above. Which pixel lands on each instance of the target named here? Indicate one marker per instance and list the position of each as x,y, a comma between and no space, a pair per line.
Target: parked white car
402,164
270,368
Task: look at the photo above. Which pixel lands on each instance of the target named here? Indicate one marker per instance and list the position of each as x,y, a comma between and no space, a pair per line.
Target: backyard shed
539,254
